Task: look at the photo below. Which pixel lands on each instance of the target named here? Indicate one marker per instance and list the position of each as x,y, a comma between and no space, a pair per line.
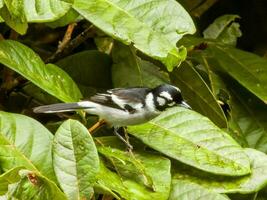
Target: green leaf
11,156
198,94
250,114
184,190
153,27
15,20
34,186
247,68
11,176
246,184
127,164
128,70
194,140
43,10
224,29
39,94
75,160
89,68
48,77
70,17
113,184
17,13
158,168
148,169
27,142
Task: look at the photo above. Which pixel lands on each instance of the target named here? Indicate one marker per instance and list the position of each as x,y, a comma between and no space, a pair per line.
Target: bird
120,107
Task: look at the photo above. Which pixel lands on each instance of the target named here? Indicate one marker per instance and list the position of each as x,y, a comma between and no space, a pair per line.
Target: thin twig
68,48
66,38
199,11
96,126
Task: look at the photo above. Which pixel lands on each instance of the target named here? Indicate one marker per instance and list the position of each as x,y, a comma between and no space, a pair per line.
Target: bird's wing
122,98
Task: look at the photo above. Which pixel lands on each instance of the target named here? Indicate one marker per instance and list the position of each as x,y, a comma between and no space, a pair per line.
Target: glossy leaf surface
194,140
75,160
132,22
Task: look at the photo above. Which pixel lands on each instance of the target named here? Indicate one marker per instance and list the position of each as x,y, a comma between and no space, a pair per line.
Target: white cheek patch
161,101
150,102
166,95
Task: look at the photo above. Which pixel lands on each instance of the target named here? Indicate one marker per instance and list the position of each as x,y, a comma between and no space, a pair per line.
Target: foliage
215,149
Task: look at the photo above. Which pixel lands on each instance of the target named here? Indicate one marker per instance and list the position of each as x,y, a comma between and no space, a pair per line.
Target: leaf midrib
20,153
190,142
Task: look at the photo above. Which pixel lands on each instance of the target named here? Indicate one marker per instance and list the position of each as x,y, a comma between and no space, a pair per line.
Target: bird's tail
62,107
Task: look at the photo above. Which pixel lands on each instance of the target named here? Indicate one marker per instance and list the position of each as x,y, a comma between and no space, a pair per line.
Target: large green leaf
153,27
75,160
224,29
48,77
247,68
114,184
185,190
250,114
89,68
158,168
148,169
128,70
127,164
27,142
194,140
34,186
246,184
17,13
198,94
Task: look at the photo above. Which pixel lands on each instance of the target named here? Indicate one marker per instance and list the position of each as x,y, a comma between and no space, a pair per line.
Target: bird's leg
130,147
96,126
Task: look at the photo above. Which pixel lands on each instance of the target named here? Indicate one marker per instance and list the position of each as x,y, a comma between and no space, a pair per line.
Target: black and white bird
124,106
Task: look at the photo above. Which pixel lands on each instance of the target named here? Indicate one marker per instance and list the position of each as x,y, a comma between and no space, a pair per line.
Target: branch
69,46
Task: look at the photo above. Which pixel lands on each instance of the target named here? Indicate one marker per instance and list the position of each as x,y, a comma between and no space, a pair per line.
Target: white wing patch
166,95
161,101
118,101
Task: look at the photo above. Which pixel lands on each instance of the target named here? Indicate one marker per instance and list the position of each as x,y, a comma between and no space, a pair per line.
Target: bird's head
166,96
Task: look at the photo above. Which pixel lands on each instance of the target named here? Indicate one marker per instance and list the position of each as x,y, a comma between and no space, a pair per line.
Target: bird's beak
185,105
